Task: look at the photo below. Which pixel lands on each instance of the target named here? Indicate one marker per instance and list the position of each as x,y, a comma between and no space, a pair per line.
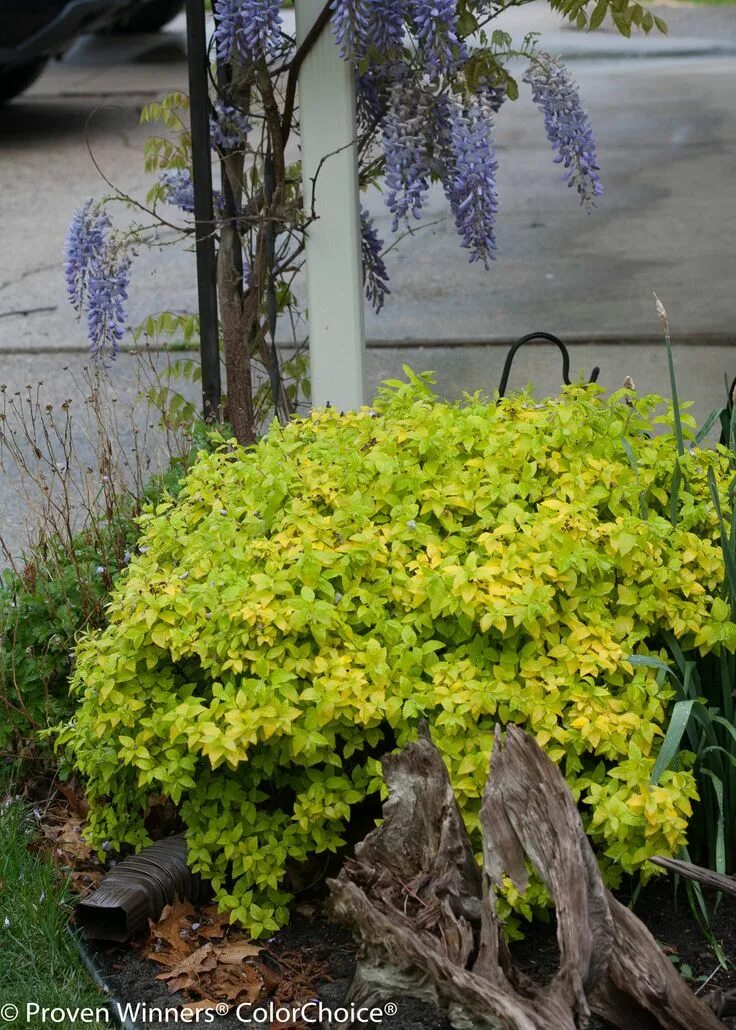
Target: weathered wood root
425,916
707,877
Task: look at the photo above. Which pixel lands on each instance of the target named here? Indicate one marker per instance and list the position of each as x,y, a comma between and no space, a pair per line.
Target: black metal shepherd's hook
548,338
727,415
204,218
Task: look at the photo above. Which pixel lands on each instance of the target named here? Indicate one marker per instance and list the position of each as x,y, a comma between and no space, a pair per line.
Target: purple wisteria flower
385,25
178,188
349,26
435,26
374,85
406,150
106,299
471,182
226,27
494,96
83,248
375,275
246,28
97,272
371,97
229,126
567,125
379,26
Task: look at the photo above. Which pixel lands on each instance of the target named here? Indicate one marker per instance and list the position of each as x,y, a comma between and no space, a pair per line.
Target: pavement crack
24,312
27,274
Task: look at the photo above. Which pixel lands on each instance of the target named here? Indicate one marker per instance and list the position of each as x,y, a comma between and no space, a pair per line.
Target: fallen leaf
74,796
68,839
228,983
234,954
84,881
237,985
173,919
166,956
187,972
171,938
214,923
182,983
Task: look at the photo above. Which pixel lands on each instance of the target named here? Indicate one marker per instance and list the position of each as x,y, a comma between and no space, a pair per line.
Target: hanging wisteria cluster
568,126
412,84
97,273
429,95
246,30
470,180
375,274
229,126
177,189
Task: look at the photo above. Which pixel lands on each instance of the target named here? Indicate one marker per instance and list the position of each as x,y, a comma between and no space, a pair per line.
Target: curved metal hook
727,414
548,338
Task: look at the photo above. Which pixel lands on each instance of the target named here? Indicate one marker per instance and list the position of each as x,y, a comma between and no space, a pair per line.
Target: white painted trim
333,255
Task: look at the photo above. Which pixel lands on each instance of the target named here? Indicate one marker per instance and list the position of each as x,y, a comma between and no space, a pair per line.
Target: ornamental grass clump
301,604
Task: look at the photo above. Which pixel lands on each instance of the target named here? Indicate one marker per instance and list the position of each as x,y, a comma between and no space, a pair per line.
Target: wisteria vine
430,92
567,124
97,269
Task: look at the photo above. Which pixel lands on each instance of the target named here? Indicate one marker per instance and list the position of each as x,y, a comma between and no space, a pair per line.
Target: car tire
151,17
19,77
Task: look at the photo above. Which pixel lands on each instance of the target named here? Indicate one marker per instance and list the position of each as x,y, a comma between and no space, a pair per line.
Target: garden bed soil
326,954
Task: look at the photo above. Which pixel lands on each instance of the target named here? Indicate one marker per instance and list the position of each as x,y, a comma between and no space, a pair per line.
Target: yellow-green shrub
303,603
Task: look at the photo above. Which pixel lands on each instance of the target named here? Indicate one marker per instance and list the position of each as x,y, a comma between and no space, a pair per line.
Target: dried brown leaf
234,954
85,881
214,924
187,973
74,796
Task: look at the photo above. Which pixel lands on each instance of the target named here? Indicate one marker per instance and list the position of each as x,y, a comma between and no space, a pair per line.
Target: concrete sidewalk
700,370
665,129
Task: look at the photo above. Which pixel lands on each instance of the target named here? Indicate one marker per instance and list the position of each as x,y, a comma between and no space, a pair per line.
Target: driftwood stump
424,913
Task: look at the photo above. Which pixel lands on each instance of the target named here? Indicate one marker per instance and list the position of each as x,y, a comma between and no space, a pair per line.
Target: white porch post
334,270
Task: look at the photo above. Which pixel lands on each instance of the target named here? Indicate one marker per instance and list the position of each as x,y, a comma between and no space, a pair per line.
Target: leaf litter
206,959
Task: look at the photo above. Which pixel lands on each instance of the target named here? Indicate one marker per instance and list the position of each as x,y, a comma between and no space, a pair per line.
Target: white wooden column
334,270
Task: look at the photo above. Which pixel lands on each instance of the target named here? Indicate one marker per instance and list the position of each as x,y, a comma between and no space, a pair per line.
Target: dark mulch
133,979
671,922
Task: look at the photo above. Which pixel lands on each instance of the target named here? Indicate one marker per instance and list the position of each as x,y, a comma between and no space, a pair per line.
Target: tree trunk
237,357
425,915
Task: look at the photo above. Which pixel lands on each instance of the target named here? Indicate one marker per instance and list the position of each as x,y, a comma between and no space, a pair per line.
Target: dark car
32,31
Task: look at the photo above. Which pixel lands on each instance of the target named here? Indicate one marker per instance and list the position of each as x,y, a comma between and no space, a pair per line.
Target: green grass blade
674,647
728,555
720,838
673,378
716,749
675,493
649,661
728,727
671,744
708,425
